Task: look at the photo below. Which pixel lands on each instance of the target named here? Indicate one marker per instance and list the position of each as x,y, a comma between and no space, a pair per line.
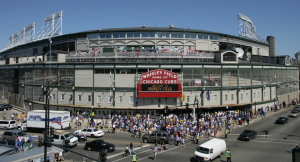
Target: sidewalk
258,118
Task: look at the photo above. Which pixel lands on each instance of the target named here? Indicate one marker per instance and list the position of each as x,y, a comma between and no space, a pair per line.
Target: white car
92,132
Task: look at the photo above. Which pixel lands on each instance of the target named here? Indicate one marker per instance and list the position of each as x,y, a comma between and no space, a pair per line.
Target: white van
210,150
8,124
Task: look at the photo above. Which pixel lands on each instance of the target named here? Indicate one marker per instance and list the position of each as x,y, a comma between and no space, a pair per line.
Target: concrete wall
125,95
66,93
125,80
229,94
54,93
288,97
84,78
102,80
257,94
147,102
212,101
104,95
191,95
84,97
61,57
266,94
245,100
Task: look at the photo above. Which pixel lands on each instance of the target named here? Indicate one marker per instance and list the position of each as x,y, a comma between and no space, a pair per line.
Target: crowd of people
178,125
16,116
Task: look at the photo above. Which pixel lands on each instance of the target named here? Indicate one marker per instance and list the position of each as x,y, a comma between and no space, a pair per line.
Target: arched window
229,56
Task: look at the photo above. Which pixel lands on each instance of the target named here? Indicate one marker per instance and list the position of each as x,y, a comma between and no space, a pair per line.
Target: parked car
282,120
99,145
5,106
294,113
297,108
8,124
10,135
158,136
247,135
92,132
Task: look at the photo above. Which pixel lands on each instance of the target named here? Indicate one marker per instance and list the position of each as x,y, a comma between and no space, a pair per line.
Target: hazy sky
277,18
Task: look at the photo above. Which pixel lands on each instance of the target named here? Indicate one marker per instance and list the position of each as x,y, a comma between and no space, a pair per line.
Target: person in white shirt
114,128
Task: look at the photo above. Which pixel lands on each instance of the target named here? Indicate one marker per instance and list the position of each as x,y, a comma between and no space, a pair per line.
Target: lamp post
47,107
198,115
29,106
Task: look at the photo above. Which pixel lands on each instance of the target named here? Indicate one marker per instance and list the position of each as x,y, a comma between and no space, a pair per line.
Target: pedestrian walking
228,155
134,158
182,142
131,148
114,128
197,138
155,151
226,133
172,139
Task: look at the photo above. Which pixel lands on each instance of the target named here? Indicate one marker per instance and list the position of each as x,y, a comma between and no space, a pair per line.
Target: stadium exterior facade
101,70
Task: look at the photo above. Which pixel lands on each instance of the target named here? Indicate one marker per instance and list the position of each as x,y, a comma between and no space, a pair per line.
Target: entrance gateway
159,83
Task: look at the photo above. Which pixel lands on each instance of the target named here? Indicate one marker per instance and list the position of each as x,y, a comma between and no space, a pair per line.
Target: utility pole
198,115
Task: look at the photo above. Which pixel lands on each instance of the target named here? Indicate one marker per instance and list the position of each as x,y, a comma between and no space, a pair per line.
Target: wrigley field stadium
145,70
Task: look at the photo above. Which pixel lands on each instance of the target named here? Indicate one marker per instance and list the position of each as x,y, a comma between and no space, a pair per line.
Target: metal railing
140,57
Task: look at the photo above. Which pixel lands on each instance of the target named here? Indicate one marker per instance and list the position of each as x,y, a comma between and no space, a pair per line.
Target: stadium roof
162,29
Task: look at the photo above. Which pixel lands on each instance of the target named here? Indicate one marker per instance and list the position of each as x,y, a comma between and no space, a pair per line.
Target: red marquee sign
159,83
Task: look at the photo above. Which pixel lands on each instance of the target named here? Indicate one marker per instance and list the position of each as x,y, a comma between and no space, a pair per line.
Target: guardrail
141,57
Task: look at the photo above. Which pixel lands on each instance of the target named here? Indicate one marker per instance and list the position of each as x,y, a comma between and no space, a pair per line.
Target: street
276,147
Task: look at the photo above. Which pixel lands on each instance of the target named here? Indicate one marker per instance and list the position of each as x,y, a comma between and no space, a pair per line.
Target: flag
94,53
207,96
110,96
109,76
209,76
181,54
134,97
35,56
138,54
183,97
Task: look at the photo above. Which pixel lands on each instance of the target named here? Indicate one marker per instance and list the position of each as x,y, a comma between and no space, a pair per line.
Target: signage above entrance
159,83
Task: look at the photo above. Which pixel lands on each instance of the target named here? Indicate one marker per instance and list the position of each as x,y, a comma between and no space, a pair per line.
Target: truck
36,120
64,139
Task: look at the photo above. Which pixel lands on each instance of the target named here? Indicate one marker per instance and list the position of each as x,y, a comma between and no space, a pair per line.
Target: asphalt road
277,147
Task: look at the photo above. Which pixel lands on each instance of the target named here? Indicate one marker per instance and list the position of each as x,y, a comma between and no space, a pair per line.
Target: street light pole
198,116
47,107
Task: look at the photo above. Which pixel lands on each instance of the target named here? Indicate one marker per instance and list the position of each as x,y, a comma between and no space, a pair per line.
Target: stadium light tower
247,29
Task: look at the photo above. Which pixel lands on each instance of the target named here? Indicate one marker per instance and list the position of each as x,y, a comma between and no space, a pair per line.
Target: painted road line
118,154
152,154
282,128
270,135
292,123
